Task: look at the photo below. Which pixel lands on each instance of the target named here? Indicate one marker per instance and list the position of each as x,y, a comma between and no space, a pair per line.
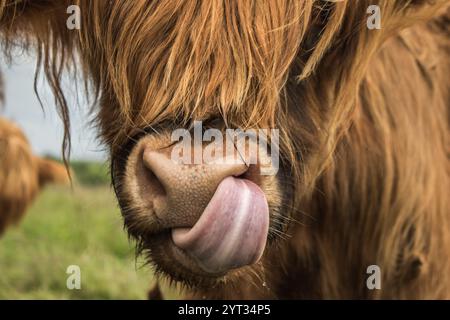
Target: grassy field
79,226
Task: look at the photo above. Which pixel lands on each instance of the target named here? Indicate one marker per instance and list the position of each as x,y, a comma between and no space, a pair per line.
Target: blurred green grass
72,226
91,173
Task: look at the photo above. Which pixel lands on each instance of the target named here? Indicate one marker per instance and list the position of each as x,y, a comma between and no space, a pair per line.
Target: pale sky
44,128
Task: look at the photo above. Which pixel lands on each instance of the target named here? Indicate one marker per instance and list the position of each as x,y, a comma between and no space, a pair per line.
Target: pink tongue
232,230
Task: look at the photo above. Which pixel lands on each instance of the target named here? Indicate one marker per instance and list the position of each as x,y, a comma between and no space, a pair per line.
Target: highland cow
22,174
363,121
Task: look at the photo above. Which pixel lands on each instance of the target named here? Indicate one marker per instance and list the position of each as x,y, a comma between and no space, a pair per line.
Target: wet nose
179,192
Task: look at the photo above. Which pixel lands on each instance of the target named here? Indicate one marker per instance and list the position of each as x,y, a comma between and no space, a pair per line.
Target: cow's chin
172,262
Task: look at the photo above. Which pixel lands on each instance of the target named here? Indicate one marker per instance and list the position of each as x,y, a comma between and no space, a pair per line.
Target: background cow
22,174
363,119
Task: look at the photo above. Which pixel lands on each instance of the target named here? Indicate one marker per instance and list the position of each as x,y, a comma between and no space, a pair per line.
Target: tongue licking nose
229,216
232,231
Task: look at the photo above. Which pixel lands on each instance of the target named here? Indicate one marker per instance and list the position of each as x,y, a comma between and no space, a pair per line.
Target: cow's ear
51,172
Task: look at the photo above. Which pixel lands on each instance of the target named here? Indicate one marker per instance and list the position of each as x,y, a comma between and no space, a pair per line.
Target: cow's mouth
231,232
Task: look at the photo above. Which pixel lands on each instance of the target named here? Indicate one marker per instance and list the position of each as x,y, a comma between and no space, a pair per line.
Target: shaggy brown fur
22,174
363,116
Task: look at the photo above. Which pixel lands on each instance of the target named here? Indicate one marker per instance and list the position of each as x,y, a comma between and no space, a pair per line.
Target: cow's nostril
153,186
163,170
154,183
